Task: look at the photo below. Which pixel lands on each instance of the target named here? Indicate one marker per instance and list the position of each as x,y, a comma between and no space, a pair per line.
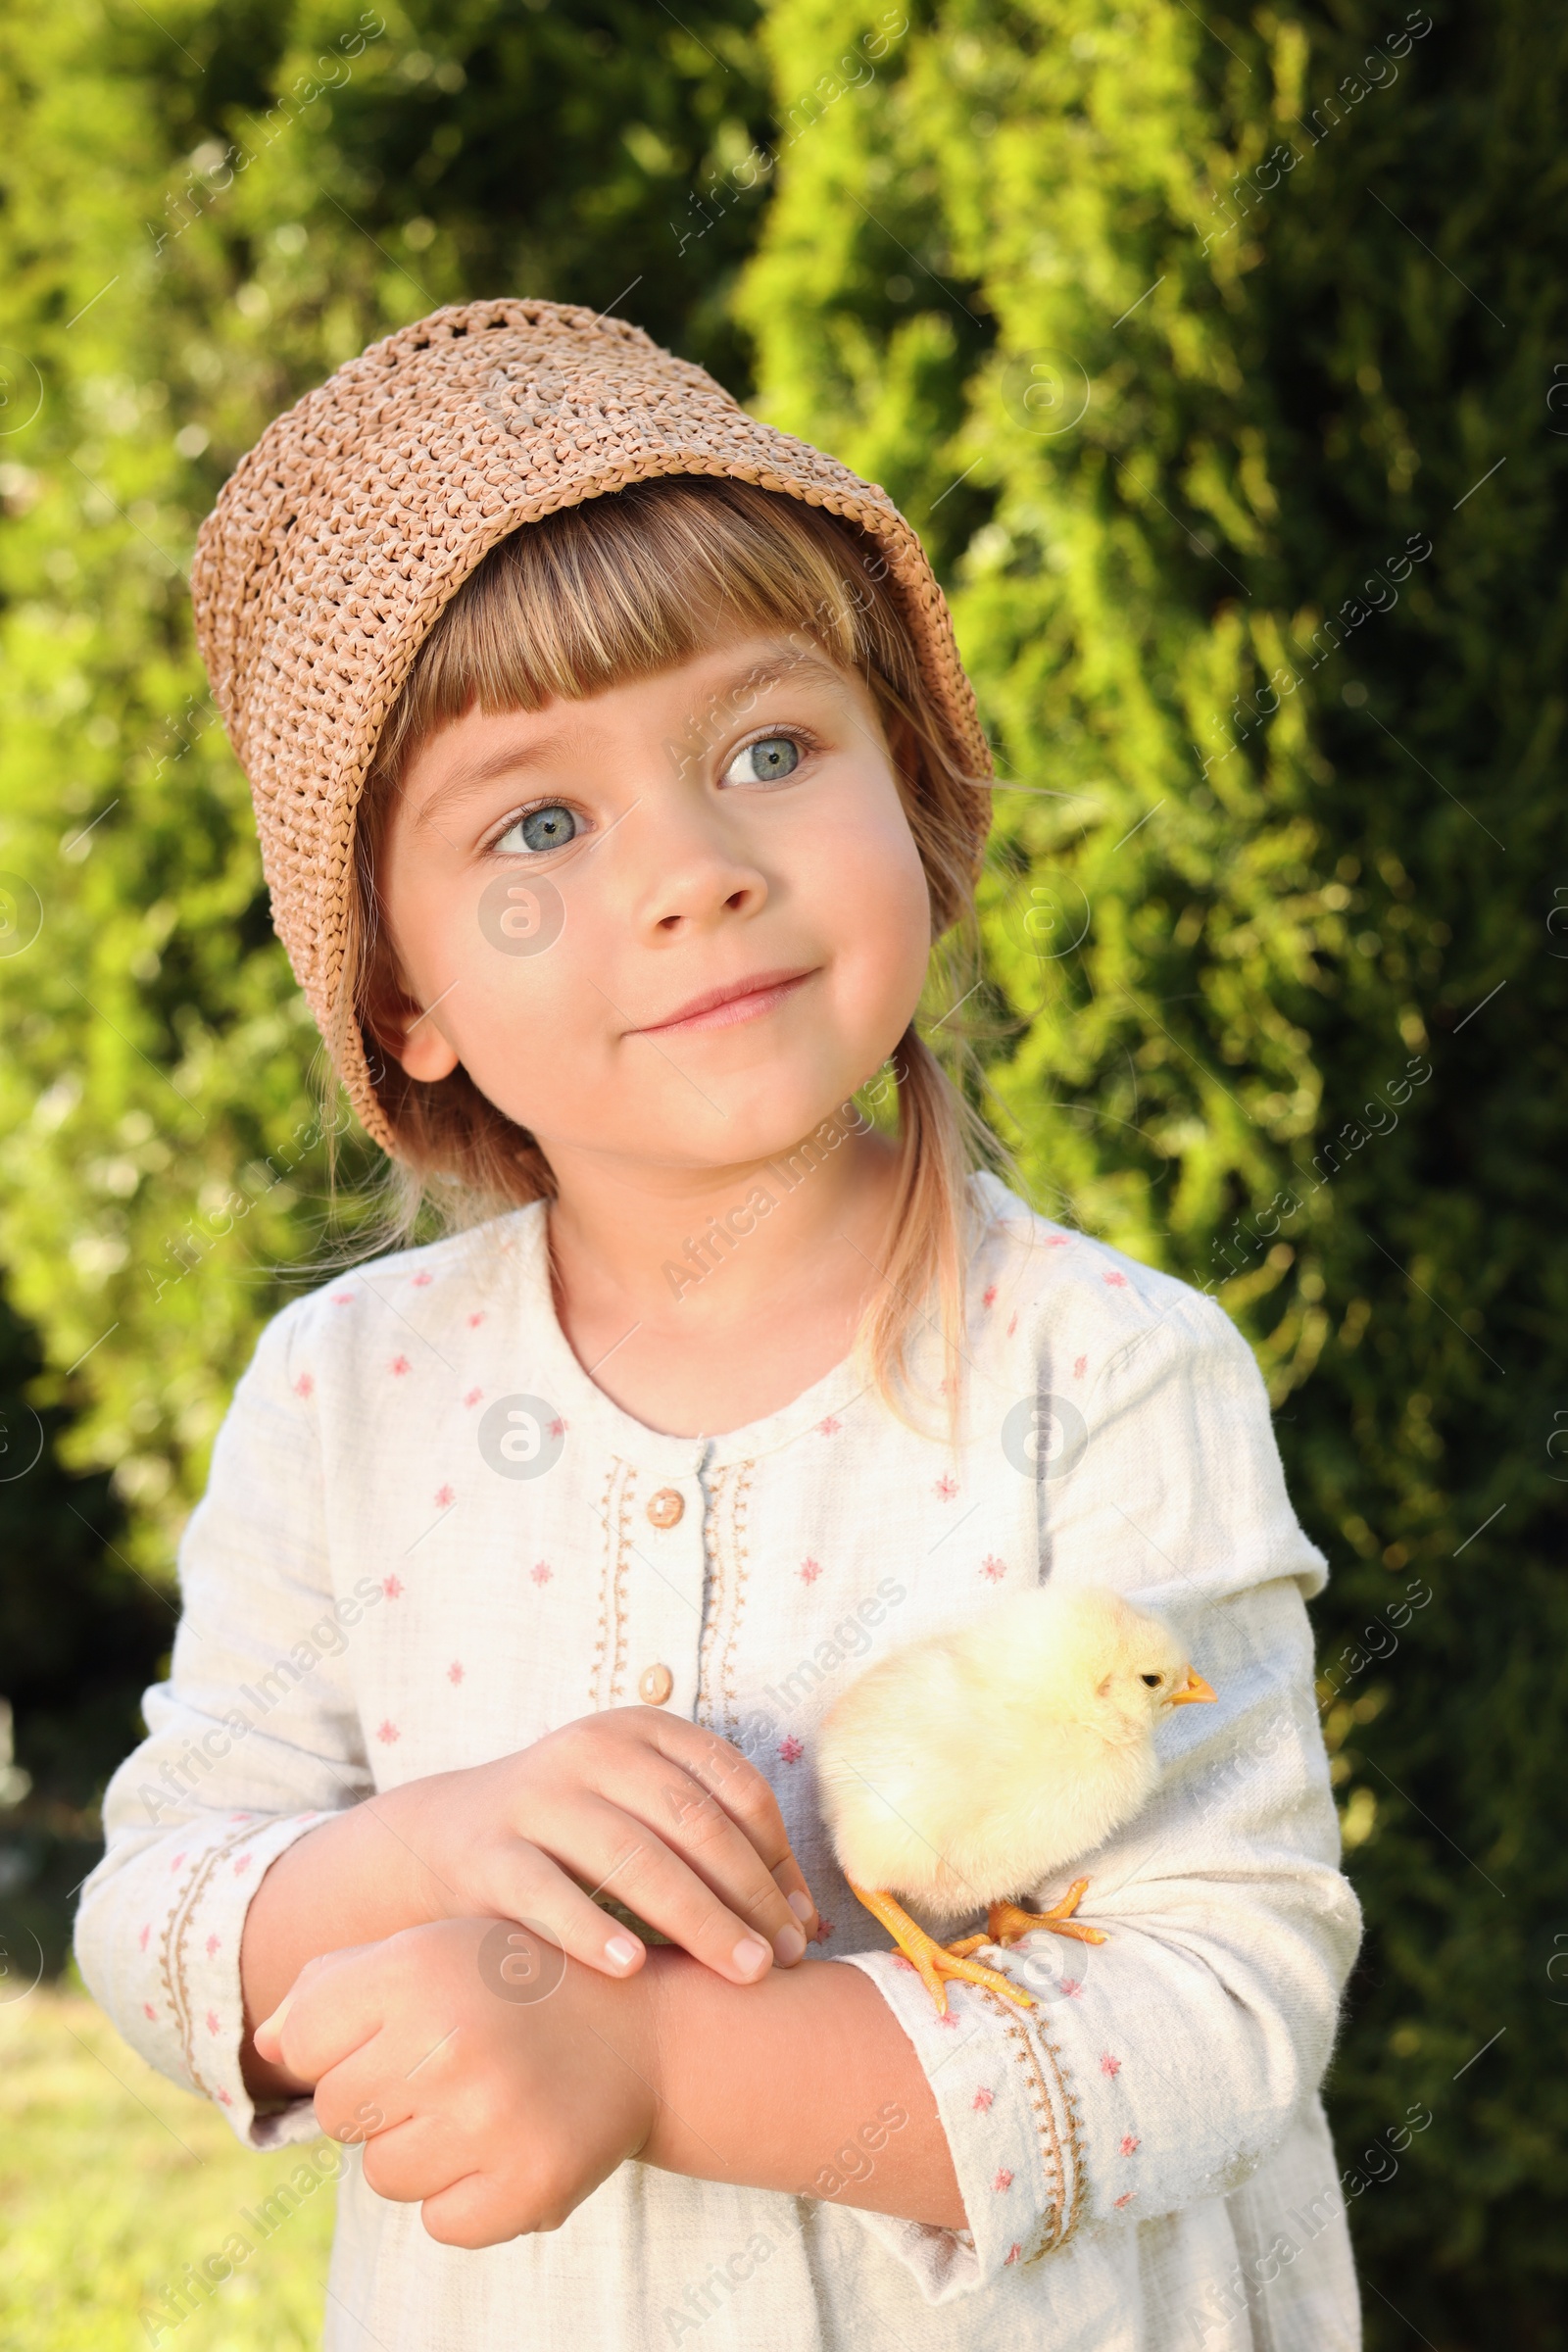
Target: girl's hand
496,2102
665,1818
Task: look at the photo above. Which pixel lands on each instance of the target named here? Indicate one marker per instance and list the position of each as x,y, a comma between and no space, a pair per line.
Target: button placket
666,1601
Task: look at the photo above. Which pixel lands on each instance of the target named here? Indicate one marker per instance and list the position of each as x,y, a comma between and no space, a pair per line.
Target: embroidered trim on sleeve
1056,2121
172,1943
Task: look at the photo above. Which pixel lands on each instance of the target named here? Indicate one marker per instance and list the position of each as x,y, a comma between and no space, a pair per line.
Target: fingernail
752,1956
622,1951
788,1945
802,1905
274,2023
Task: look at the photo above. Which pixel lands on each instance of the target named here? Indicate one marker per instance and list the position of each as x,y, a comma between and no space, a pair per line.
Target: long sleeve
253,1740
1165,2066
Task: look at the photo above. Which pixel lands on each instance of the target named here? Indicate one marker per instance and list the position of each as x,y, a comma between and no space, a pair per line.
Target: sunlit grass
112,2180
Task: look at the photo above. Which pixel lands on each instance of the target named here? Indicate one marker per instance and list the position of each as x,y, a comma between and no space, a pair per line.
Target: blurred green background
1223,359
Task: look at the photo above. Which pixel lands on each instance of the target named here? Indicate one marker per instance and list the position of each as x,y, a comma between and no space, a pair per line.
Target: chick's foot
1006,1922
934,1964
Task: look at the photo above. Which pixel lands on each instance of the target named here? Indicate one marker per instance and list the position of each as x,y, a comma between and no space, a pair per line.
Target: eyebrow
474,774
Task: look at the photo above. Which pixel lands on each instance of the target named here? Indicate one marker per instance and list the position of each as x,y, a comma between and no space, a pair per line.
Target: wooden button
655,1684
667,1508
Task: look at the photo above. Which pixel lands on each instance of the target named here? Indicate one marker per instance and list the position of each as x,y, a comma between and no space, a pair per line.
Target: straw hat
336,543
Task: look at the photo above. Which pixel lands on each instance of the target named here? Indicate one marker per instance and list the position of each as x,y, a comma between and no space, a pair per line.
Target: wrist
397,1848
657,1989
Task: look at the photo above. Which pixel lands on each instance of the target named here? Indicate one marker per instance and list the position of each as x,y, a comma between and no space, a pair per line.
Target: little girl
616,774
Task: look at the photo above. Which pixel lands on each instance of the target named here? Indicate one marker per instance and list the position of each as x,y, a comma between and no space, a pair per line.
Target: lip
738,1001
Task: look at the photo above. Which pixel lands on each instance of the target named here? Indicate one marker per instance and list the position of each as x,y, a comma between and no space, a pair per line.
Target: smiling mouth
728,1008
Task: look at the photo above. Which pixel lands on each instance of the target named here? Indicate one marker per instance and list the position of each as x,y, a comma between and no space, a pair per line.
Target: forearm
817,2052
356,1880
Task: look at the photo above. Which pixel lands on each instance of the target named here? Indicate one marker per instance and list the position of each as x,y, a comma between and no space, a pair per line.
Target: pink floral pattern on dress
399,1366
808,1571
1071,1987
541,1572
1109,2065
213,2024
445,1495
242,1864
1126,2197
993,1569
791,1749
1080,1367
472,1397
148,2011
146,1931
1012,2255
1003,2180
454,1671
830,1428
1013,1323
215,1944
824,1929
983,2099
422,1280
392,1587
304,1386
1129,2146
1115,1282
387,1732
475,1321
946,1487
342,1297
987,1297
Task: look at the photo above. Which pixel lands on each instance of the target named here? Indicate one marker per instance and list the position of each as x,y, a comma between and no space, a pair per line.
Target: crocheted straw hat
338,540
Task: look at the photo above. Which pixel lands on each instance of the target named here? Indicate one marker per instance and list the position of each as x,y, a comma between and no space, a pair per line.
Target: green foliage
199,216
1163,400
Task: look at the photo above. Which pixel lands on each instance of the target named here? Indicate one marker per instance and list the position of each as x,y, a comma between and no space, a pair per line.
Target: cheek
869,903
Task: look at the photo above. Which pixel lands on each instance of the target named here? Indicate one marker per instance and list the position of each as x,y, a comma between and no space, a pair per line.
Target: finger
333,2009
683,1893
308,1975
364,2096
725,1818
547,1911
415,2159
613,1753
732,1781
477,2211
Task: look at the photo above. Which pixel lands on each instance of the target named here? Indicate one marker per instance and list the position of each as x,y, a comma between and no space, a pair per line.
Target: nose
699,874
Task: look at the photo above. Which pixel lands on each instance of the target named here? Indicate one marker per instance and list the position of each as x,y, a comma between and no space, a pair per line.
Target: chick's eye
549,828
765,762
1153,1680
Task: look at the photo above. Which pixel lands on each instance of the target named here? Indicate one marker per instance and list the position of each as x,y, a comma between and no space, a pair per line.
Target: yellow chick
969,1765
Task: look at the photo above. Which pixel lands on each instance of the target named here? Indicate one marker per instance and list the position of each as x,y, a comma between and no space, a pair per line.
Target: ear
407,1033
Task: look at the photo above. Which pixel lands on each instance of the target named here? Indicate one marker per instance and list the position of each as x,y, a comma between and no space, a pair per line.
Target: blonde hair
622,587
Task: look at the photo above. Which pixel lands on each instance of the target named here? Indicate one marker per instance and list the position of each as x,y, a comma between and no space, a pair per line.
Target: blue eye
541,829
765,762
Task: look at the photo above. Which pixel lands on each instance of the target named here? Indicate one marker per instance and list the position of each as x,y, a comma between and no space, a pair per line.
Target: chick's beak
1192,1690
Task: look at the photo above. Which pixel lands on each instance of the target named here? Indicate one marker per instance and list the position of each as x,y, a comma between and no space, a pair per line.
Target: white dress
428,1540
